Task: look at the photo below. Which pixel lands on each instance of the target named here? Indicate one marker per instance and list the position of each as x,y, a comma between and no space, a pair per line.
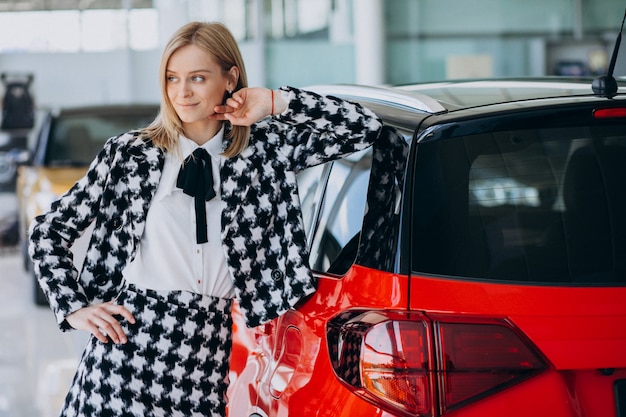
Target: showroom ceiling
37,5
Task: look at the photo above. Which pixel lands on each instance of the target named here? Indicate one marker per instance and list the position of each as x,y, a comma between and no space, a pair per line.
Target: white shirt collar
173,162
213,146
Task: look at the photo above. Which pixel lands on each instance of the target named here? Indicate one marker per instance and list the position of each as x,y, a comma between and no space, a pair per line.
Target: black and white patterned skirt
175,363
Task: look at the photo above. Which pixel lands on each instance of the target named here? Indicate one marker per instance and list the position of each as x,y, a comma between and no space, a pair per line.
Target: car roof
464,94
454,95
407,105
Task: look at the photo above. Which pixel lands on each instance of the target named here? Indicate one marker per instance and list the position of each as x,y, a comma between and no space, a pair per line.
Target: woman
172,246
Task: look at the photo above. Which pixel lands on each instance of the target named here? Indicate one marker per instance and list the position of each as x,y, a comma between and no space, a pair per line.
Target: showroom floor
37,360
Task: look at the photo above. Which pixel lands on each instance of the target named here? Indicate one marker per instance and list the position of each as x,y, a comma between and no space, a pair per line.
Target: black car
12,142
16,122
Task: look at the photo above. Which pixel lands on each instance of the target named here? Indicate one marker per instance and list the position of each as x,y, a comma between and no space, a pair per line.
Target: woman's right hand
99,320
249,105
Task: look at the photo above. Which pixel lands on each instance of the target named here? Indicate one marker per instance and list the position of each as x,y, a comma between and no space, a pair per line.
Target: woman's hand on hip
99,320
249,105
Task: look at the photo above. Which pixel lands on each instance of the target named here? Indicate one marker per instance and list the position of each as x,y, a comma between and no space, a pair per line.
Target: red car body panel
312,382
546,395
580,331
574,327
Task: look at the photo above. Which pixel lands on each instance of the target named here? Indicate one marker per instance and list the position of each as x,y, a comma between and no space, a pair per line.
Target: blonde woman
191,212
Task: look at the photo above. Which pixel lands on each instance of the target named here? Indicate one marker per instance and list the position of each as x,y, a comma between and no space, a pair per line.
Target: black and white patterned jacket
262,227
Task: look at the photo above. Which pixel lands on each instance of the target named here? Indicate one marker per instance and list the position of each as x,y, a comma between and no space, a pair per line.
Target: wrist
278,103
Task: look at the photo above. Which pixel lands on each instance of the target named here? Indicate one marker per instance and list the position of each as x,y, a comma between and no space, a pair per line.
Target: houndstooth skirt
175,363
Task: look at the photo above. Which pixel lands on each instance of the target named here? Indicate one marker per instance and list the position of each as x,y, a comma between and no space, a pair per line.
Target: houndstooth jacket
262,229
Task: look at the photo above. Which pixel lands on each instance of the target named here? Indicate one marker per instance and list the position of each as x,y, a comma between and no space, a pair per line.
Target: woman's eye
197,78
171,78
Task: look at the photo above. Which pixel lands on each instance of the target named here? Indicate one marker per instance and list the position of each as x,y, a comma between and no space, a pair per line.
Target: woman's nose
184,90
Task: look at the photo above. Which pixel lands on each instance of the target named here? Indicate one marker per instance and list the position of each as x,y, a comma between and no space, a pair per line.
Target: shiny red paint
579,330
554,394
312,388
575,327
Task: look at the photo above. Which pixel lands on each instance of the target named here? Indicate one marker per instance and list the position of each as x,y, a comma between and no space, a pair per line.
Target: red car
471,264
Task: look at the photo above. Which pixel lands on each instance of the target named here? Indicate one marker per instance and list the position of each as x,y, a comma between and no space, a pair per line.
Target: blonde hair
217,41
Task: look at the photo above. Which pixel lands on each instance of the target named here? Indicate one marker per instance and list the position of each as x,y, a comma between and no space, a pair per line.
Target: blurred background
95,51
102,56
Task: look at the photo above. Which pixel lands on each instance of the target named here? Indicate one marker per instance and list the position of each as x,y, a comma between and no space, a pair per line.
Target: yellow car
66,142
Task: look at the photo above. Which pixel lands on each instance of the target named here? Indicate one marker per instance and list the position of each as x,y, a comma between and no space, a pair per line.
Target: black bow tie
196,179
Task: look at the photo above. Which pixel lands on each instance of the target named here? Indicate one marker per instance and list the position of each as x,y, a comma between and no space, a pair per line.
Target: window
359,216
309,189
74,31
342,210
299,18
76,139
538,205
241,16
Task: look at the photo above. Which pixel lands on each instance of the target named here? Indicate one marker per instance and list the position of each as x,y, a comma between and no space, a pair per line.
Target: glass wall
308,42
304,42
78,31
442,39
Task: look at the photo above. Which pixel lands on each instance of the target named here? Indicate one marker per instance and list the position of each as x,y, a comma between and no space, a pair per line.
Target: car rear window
75,140
536,205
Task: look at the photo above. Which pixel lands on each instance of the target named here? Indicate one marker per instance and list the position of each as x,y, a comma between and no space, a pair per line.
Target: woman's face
195,85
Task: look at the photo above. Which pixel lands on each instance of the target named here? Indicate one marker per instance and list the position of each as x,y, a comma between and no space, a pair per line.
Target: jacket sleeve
53,233
317,129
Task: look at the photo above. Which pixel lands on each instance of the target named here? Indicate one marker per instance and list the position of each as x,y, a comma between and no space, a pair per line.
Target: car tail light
476,359
413,364
610,113
394,365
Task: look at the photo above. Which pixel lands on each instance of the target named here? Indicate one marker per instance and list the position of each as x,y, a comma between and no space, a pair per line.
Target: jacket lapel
237,176
146,160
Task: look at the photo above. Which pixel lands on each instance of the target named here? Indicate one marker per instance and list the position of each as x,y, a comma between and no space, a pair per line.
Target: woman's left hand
249,105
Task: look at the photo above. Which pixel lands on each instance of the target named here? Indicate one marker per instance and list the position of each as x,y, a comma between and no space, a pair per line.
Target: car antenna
606,85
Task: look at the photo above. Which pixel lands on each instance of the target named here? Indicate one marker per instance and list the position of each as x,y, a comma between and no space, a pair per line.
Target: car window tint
541,205
378,245
76,139
309,190
342,210
360,214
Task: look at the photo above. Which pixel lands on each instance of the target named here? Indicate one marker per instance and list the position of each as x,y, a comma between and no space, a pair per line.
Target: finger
234,120
106,322
235,101
111,327
118,309
97,332
237,98
231,105
223,108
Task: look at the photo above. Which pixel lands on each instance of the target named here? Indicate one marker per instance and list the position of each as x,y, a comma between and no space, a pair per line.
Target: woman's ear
233,75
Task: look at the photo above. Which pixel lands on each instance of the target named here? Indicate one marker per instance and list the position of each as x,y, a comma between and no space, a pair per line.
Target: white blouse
169,257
